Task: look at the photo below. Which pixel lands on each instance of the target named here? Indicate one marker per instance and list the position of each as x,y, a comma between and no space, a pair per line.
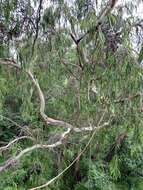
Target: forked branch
14,161
108,8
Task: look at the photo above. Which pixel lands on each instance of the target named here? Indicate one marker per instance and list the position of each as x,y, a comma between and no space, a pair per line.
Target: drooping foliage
89,69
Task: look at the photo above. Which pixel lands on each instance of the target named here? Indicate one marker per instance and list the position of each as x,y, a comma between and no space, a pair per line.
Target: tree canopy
71,95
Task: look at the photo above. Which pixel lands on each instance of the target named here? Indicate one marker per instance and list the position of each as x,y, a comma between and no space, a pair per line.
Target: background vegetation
79,62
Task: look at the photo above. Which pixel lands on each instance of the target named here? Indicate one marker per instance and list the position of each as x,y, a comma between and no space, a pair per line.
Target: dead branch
3,148
88,129
14,161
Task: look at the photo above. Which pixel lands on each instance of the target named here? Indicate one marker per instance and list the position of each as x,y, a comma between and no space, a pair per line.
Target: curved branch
77,158
3,148
47,119
14,161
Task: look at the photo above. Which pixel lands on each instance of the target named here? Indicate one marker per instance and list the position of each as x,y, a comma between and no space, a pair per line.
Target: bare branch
47,119
14,141
88,129
74,161
14,161
10,63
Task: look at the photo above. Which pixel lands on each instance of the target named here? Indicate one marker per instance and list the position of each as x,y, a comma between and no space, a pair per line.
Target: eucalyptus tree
69,73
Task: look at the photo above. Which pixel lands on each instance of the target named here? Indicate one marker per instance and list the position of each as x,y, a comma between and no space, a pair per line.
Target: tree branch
3,148
99,127
14,161
110,5
48,120
37,24
88,129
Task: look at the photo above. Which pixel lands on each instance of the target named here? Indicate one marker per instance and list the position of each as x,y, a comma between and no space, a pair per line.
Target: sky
138,12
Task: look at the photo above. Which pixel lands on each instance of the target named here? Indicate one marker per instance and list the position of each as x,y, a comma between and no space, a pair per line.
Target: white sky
138,12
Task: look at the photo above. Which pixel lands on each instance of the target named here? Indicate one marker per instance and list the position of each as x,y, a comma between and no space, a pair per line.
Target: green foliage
80,83
114,168
141,55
